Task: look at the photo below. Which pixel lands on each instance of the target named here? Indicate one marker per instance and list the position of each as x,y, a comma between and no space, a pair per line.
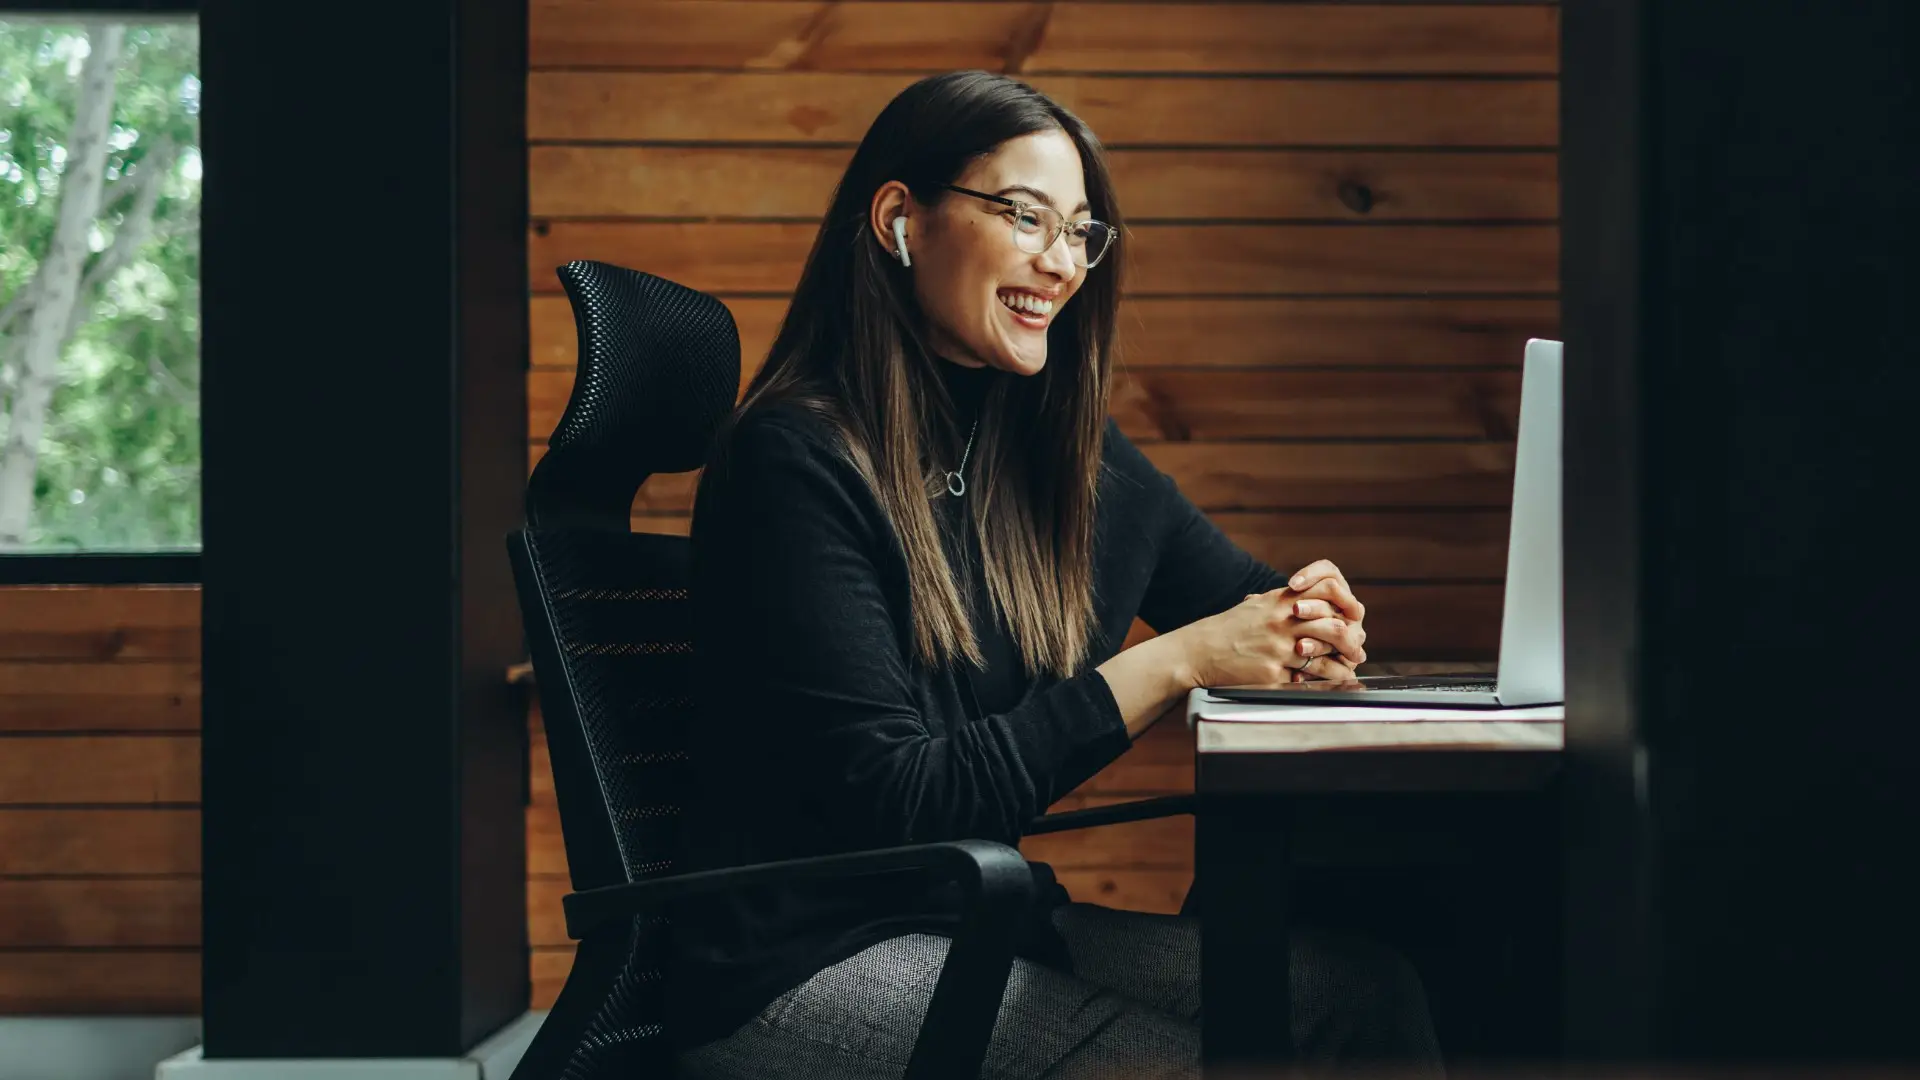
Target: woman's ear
888,219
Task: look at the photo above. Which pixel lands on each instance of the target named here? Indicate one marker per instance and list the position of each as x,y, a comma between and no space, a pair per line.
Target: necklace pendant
956,484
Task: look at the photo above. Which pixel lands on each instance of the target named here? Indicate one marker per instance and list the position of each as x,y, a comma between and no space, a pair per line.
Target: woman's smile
1028,308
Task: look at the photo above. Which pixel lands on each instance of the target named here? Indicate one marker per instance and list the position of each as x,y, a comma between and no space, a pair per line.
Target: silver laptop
1532,670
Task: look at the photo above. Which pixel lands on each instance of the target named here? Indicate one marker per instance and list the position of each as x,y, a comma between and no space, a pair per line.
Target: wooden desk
1256,764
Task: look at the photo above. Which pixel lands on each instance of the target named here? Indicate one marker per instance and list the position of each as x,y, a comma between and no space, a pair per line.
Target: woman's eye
1027,220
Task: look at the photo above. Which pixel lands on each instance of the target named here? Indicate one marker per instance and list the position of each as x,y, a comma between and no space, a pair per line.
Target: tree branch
170,383
56,282
136,228
21,301
152,169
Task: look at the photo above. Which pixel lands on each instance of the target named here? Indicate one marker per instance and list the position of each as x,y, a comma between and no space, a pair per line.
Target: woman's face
986,301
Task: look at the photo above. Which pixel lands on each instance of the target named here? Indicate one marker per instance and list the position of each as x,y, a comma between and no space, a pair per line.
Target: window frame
103,567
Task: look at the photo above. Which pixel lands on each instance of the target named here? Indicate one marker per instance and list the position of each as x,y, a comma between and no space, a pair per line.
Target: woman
918,550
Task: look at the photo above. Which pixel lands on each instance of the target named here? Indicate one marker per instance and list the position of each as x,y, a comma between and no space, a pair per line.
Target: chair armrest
1141,810
988,871
998,889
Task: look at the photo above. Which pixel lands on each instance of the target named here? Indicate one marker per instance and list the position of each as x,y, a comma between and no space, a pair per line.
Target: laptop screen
1532,667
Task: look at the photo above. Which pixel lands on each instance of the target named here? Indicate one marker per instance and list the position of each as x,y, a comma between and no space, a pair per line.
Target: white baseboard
493,1059
91,1047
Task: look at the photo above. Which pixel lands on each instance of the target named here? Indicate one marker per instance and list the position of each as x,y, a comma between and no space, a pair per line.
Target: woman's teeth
1027,304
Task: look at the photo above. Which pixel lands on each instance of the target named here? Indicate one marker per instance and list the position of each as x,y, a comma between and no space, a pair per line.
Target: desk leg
1242,864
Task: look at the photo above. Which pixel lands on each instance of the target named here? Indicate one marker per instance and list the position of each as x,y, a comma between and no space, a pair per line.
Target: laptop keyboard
1447,684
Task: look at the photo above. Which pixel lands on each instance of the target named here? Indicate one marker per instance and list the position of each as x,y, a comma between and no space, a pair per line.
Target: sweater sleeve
816,659
1197,571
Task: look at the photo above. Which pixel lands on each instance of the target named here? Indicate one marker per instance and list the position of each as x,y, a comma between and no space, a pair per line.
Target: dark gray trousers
1129,1009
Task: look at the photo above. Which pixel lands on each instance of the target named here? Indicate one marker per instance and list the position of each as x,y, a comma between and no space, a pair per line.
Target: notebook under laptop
1532,669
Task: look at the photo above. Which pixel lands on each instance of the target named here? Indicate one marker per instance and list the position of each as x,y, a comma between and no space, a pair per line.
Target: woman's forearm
1147,680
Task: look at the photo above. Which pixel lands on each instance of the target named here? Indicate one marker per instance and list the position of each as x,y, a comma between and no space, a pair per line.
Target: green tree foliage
118,465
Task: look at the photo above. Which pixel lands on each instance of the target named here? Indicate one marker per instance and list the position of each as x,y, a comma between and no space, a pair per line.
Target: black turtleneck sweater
821,731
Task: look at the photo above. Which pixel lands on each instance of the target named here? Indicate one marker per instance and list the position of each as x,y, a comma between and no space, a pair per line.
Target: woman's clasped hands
1311,629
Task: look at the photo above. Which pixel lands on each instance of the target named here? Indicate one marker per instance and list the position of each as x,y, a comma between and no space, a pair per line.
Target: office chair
608,622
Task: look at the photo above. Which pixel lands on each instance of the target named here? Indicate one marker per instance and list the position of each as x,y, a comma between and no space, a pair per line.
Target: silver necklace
956,481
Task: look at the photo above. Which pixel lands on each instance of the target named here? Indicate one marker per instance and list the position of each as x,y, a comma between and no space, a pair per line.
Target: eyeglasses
1037,228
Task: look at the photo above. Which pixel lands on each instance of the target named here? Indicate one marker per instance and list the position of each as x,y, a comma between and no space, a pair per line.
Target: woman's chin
1021,359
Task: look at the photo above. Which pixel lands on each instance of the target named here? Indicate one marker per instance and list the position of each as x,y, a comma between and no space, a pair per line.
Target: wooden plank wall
99,800
1343,228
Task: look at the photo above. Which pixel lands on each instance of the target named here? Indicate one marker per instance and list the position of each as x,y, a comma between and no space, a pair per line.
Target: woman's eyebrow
1039,196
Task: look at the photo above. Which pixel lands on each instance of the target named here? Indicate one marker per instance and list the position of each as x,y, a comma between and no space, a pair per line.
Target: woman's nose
1058,259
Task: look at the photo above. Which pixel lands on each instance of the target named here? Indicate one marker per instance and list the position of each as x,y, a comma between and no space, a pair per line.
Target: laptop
1532,669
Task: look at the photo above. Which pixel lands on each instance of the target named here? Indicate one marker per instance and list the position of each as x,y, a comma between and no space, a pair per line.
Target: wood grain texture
1165,260
756,35
546,922
1154,889
1433,622
1293,476
128,770
1378,545
1269,476
1175,405
823,107
99,696
549,966
1201,332
114,841
1187,405
100,983
100,913
722,182
546,847
1331,332
99,623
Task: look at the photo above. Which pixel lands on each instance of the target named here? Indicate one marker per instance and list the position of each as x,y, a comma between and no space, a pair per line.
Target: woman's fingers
1317,637
1314,648
1313,573
1330,668
1334,590
1316,609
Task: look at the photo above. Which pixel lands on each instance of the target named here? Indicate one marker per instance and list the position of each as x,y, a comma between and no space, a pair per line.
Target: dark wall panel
354,573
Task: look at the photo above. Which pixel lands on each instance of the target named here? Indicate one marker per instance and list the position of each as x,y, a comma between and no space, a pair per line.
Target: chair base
493,1059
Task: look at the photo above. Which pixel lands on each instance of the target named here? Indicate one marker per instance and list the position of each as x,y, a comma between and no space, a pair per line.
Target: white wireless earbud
900,241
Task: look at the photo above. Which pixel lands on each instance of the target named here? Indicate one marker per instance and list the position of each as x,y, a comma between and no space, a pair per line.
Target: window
99,287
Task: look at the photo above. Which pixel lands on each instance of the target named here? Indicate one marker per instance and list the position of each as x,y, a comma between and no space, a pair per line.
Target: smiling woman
918,548
868,336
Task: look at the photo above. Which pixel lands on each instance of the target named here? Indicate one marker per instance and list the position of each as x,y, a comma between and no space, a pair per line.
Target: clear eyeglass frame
1037,227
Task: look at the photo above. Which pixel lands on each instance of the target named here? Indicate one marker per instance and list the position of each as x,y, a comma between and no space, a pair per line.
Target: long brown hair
852,349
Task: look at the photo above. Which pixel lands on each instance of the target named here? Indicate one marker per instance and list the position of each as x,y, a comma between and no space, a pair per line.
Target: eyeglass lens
1037,227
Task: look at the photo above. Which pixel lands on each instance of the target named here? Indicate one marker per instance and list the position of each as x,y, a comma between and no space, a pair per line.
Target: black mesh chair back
609,626
658,372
